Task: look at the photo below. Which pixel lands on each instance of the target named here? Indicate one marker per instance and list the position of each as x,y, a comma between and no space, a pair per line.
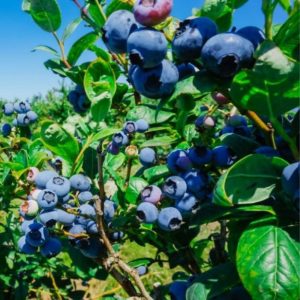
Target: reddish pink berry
152,12
32,172
220,98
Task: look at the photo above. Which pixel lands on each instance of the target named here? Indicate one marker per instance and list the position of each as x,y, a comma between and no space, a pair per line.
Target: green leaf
56,66
136,185
46,49
100,109
241,145
104,133
155,173
252,179
237,3
46,14
149,115
98,17
267,262
196,291
214,282
288,36
115,5
161,141
99,81
141,262
80,45
272,87
285,4
213,8
114,162
60,142
71,28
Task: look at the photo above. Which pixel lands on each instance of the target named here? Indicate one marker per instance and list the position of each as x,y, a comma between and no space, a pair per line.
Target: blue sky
22,73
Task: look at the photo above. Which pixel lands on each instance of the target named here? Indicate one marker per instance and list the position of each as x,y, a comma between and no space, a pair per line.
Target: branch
62,50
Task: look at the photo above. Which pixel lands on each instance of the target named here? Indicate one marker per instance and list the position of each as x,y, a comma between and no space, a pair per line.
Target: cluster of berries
122,138
55,203
25,116
79,100
153,76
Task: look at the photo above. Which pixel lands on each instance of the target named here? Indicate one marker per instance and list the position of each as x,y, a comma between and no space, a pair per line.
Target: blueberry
190,37
24,247
8,109
226,129
197,182
80,183
147,213
29,209
6,129
48,217
15,122
236,121
242,130
187,204
119,25
178,290
117,235
290,178
220,98
32,173
25,224
131,71
226,53
174,187
267,150
47,199
65,218
109,210
254,34
223,157
147,47
76,229
23,120
147,157
130,127
178,161
169,219
296,200
142,270
205,122
84,197
87,211
120,139
92,249
51,248
43,177
91,227
152,12
61,186
186,70
113,149
22,107
156,82
152,194
32,116
200,156
36,234
142,125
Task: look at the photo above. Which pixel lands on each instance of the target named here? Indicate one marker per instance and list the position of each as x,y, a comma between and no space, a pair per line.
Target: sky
22,73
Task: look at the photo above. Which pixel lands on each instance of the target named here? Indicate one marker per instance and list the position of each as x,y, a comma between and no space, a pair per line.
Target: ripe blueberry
8,109
187,204
80,183
226,53
142,125
200,156
290,178
152,194
147,213
51,248
147,157
147,47
61,186
47,199
36,234
5,129
254,34
24,247
178,161
119,25
43,177
120,139
156,82
169,219
223,157
174,187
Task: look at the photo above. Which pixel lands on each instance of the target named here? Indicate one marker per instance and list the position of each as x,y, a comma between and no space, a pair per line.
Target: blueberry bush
175,127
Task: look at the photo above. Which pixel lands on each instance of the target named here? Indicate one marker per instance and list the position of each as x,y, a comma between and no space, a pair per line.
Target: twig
62,50
55,285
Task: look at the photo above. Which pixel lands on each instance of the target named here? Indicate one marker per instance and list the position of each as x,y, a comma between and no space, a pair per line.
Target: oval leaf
268,263
46,14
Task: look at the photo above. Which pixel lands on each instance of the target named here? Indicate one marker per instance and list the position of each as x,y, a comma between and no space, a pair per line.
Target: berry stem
56,289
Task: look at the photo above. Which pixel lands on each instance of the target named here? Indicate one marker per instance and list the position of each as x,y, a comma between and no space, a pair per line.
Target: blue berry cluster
24,116
79,100
59,203
150,73
121,138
